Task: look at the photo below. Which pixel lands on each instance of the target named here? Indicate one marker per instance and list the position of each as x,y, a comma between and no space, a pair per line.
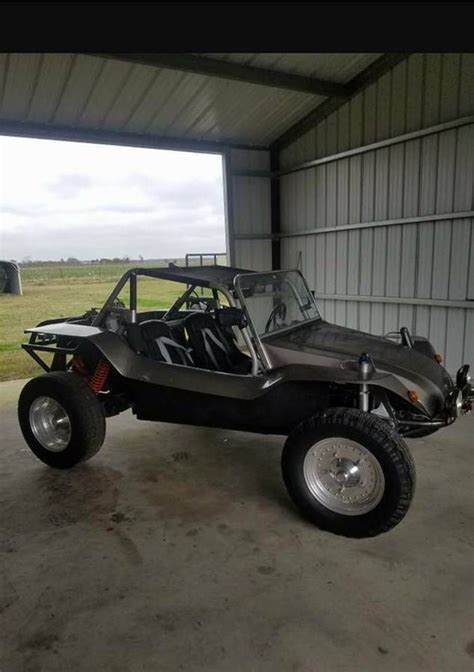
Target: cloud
147,237
117,201
70,185
37,212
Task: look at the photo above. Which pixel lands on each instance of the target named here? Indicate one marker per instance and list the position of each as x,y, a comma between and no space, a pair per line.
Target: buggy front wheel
349,472
61,419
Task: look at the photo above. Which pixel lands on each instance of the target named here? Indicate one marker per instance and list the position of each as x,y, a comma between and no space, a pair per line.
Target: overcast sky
67,199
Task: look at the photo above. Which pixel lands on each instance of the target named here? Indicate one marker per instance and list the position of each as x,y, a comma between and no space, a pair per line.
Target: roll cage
225,279
216,278
235,284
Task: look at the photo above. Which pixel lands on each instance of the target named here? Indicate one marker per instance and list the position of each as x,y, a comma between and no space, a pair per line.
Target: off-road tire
376,436
84,411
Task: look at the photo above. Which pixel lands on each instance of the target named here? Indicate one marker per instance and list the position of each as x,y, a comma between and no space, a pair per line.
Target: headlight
459,403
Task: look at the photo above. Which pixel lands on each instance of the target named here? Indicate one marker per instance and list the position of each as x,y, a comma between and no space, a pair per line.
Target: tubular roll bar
132,276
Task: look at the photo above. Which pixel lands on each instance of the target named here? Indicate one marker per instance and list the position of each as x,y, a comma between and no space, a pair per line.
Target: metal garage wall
248,202
410,258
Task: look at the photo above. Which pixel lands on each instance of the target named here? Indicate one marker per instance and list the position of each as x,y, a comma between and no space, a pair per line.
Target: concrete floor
176,548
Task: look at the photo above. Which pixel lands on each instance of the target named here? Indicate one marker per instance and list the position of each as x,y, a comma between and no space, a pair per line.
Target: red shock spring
98,378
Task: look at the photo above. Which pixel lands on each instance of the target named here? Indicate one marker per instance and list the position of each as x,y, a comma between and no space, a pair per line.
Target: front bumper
458,401
460,398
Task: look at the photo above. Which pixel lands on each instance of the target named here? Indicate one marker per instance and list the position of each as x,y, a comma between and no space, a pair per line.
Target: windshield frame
261,338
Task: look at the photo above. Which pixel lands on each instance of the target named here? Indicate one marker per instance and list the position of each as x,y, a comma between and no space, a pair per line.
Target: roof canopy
176,100
202,276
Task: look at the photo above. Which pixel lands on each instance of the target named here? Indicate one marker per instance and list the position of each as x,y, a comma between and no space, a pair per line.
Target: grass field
63,291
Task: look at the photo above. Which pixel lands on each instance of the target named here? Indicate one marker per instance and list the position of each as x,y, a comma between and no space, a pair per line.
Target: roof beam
202,65
106,137
355,86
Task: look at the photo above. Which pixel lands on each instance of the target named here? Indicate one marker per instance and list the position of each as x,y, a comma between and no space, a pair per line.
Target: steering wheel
278,314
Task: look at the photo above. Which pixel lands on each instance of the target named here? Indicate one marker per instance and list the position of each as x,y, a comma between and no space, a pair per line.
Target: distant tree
72,261
140,257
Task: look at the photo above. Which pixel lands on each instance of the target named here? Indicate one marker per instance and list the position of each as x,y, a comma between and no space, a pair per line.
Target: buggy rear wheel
349,472
61,419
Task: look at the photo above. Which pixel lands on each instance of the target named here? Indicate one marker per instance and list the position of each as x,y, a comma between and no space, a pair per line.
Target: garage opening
76,216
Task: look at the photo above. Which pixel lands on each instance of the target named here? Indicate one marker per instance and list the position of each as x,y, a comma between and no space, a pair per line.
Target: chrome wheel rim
50,424
344,476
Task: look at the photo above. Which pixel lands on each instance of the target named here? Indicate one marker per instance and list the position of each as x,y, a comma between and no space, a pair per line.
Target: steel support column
275,220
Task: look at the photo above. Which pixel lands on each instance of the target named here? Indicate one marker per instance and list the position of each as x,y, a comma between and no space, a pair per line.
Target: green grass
6,347
45,274
63,291
86,273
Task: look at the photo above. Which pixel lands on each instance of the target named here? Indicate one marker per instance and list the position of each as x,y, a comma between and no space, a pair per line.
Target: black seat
212,347
154,339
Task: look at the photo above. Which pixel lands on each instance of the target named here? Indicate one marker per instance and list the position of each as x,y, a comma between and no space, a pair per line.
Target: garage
177,547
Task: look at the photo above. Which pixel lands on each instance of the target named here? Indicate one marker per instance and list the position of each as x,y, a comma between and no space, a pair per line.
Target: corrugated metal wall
249,208
414,273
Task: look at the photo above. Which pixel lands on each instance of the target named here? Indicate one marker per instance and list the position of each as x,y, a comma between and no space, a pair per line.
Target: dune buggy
253,354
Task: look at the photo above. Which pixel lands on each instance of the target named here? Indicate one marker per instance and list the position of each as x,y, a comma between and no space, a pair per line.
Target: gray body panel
319,352
330,346
67,329
136,367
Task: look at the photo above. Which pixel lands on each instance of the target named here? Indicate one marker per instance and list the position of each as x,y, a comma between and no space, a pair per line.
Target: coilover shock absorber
98,378
366,369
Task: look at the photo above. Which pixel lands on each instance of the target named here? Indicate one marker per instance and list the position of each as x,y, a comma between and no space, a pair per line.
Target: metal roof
103,93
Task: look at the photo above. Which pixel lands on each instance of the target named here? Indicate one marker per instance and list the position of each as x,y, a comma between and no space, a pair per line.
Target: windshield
276,301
